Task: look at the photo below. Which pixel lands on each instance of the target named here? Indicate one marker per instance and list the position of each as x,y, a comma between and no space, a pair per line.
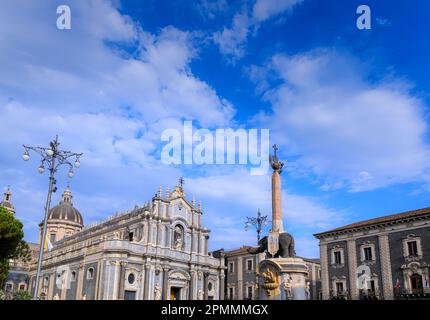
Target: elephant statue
286,246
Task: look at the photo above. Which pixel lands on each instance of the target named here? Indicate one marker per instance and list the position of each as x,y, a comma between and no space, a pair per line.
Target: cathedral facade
155,252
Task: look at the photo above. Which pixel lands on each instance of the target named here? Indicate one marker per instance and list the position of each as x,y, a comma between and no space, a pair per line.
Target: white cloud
346,130
232,40
108,89
265,9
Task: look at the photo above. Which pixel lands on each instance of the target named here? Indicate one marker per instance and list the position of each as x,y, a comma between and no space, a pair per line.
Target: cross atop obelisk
277,166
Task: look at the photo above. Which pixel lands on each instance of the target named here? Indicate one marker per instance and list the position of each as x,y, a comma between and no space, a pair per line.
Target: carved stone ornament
270,281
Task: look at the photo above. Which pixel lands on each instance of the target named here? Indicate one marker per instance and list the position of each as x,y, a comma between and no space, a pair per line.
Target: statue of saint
200,294
157,292
177,238
308,290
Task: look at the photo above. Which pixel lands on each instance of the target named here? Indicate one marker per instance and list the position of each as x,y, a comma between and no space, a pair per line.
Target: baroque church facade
155,252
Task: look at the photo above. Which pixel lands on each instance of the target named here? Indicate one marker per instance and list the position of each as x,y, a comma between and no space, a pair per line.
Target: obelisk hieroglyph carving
277,166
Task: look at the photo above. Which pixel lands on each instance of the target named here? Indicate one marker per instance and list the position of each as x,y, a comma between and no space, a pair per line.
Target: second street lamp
258,222
53,158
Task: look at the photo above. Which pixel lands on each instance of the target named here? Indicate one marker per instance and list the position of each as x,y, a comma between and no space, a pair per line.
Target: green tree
12,245
22,295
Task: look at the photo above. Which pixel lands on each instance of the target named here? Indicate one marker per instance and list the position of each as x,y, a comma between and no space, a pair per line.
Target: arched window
90,273
178,237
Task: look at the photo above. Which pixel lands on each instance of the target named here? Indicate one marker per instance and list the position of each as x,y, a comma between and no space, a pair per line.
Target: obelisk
277,166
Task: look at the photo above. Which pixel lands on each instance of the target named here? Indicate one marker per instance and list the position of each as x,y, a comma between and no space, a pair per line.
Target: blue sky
347,107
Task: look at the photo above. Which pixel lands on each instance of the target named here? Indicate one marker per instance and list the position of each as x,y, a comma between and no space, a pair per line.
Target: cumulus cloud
346,130
108,88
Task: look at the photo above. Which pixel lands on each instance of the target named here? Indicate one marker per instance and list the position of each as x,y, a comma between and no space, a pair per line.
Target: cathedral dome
65,210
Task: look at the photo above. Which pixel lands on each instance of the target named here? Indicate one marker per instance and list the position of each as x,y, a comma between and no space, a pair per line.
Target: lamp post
258,222
52,158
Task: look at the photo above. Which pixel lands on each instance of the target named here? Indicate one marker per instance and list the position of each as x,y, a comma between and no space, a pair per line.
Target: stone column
116,280
221,292
239,278
51,287
324,272
147,279
166,283
98,279
79,285
277,225
121,280
352,263
205,284
387,278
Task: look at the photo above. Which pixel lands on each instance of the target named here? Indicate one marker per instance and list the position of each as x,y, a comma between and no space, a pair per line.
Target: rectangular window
337,257
249,265
231,267
368,254
412,248
52,238
371,285
249,295
339,287
230,293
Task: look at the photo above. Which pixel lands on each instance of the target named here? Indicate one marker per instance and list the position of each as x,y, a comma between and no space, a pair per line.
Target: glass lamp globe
70,174
77,164
26,156
50,152
41,169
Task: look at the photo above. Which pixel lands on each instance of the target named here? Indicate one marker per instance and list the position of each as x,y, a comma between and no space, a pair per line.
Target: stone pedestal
282,279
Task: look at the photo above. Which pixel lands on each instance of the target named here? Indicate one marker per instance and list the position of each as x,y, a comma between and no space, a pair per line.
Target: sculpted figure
200,294
308,290
157,292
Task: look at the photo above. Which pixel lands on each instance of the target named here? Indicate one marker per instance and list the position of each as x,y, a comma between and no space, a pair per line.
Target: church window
130,236
231,267
52,237
73,276
412,248
337,257
131,278
90,273
21,287
339,287
45,281
231,293
210,286
249,292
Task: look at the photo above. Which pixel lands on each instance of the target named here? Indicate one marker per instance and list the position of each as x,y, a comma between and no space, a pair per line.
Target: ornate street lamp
52,158
258,222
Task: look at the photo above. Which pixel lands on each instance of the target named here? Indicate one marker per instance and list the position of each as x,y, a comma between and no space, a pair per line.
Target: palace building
382,258
241,280
157,251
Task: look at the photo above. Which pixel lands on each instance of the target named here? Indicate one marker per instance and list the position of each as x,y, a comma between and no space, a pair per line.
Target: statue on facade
308,290
84,297
177,238
56,297
157,292
200,294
